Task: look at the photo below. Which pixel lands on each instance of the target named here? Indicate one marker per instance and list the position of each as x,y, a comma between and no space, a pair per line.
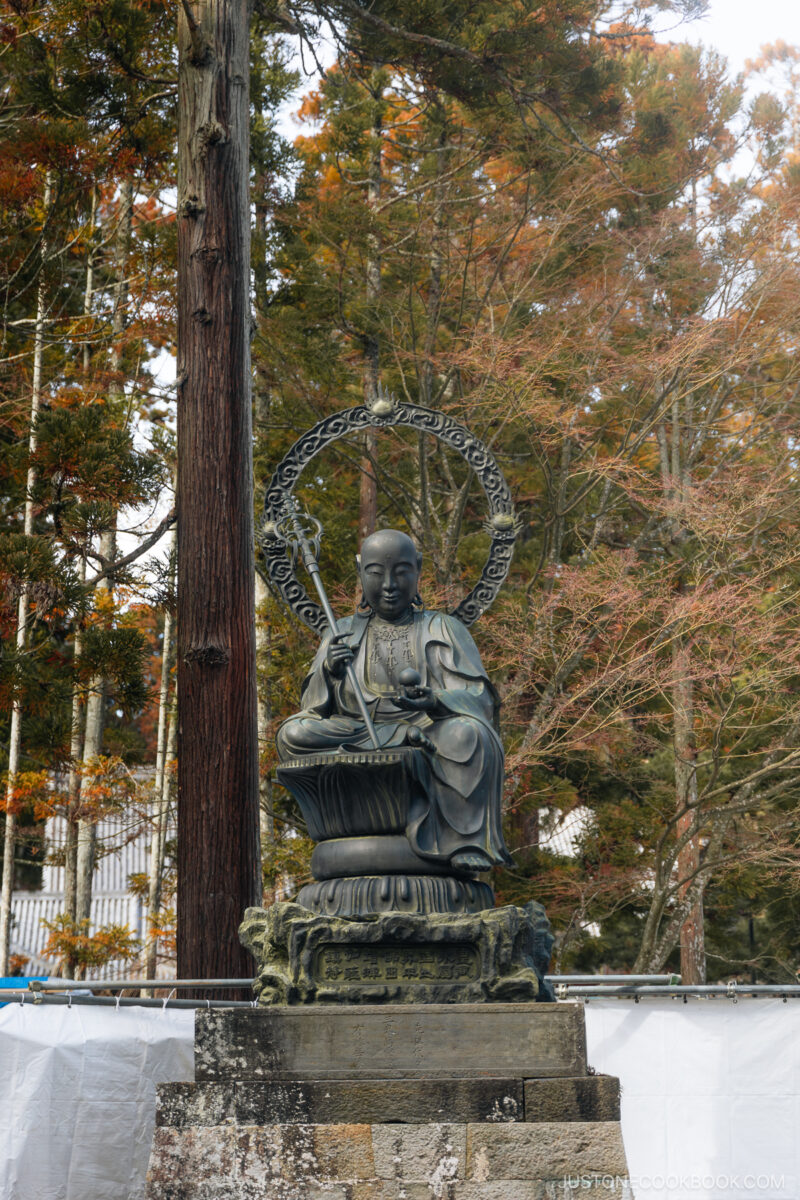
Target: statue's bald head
389,566
386,542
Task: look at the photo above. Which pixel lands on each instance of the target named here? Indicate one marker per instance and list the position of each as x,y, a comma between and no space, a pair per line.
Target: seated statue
433,708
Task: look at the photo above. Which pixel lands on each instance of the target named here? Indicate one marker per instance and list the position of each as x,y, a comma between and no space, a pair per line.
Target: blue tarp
20,981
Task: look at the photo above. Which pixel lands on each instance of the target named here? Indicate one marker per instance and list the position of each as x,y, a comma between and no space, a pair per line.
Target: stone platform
441,1161
417,1102
450,1041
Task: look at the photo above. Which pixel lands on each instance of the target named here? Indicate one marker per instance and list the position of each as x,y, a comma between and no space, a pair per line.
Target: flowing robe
458,800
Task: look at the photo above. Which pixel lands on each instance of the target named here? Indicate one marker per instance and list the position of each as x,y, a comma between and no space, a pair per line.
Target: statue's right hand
338,657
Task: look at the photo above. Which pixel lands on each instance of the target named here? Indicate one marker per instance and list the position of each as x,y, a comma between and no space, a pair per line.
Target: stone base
247,1102
496,955
427,1102
393,1041
441,1161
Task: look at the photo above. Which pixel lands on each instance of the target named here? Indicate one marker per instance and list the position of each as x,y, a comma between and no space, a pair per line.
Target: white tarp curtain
77,1097
710,1094
710,1109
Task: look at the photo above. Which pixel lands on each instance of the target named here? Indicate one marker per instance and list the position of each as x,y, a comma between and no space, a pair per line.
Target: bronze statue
397,766
425,688
394,759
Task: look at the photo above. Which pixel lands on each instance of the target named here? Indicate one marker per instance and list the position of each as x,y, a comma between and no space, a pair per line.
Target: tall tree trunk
264,659
73,792
434,307
88,293
160,800
674,452
368,500
692,935
426,374
92,750
77,724
261,410
74,788
156,895
158,844
166,789
87,825
219,870
15,737
86,848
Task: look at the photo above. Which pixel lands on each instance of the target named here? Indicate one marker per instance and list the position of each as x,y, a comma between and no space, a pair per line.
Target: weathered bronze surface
360,895
389,964
397,765
437,777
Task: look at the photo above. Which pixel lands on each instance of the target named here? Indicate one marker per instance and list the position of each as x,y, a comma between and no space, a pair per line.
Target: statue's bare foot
470,860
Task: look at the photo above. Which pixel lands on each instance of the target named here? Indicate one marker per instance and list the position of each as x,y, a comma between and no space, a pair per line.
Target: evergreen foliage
531,217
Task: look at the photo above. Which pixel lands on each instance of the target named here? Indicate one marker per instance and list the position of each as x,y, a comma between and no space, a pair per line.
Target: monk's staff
296,536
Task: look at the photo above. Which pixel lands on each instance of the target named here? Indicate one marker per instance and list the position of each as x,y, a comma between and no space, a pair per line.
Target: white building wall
123,850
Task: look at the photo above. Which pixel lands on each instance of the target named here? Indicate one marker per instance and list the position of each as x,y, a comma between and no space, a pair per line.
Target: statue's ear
358,562
419,562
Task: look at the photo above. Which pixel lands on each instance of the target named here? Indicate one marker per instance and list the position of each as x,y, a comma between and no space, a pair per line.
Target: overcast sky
739,27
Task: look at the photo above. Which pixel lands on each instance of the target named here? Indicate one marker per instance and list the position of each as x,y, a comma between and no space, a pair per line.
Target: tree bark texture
73,794
264,660
87,826
368,498
86,841
74,781
159,845
219,871
76,724
692,933
674,438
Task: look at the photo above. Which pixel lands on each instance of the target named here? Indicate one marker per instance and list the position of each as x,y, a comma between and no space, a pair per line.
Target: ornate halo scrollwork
501,523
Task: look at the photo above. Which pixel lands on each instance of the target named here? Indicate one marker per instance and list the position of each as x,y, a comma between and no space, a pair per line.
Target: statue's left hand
422,699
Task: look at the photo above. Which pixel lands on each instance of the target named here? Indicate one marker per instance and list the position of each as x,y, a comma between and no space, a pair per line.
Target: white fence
123,850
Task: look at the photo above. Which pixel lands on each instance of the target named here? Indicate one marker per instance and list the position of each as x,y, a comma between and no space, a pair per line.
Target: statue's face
389,571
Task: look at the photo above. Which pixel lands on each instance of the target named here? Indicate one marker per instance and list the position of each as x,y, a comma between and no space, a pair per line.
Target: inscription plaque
455,962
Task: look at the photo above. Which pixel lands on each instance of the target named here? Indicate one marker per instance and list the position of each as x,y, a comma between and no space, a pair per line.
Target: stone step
459,1161
388,1101
317,1042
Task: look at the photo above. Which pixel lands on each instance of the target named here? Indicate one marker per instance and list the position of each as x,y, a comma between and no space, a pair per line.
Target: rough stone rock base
496,955
515,1161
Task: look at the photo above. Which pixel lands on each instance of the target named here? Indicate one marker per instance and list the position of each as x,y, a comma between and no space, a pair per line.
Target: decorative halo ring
384,413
